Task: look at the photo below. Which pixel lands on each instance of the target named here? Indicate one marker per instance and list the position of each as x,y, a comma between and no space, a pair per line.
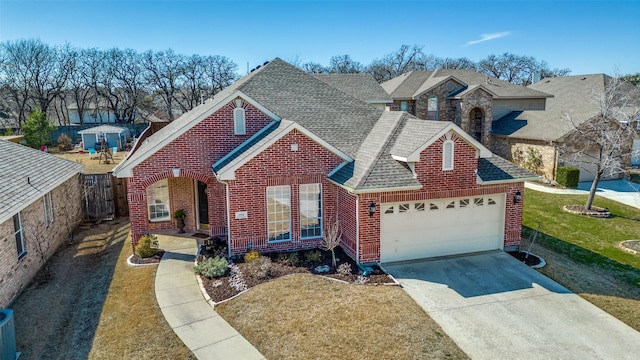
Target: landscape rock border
596,212
623,246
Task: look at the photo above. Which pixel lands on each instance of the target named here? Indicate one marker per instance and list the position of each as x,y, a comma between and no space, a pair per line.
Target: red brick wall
194,152
347,208
279,165
439,184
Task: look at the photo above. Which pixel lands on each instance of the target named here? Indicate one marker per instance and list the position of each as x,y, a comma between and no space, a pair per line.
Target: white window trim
320,211
448,155
239,121
166,204
19,232
47,203
278,221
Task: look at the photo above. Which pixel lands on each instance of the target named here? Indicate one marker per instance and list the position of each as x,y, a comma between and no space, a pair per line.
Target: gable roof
494,169
361,86
575,95
27,174
107,129
413,84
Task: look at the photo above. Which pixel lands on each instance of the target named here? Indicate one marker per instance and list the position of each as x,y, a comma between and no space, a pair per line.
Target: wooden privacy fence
105,196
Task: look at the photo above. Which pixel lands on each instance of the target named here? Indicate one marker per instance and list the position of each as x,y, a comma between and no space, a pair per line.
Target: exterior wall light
517,198
176,172
372,208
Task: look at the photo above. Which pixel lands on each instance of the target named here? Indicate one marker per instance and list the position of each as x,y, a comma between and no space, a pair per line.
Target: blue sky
585,36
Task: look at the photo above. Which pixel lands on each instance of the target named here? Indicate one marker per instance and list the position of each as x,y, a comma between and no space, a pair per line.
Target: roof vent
548,81
584,78
265,63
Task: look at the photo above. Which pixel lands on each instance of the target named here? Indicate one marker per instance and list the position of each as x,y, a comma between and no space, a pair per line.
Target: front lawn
582,253
303,316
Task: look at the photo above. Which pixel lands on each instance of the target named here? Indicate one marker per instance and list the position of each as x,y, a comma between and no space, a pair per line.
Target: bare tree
517,69
314,68
42,241
405,59
220,72
344,64
164,73
332,238
605,140
193,90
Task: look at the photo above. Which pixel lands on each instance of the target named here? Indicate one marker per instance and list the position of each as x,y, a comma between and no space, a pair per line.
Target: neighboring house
360,86
94,113
280,154
538,136
36,201
113,136
469,99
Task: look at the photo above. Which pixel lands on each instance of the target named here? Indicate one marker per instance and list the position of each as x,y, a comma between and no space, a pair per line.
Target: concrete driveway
495,307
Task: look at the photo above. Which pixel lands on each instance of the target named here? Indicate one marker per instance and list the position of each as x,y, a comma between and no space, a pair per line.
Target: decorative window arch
239,122
447,155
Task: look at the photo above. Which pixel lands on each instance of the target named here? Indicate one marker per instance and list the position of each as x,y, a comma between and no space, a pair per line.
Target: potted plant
179,215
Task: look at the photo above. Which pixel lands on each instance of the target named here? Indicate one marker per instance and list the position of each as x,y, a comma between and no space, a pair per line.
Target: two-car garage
439,227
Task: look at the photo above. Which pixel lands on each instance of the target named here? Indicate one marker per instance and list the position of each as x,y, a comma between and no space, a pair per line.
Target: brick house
522,135
469,99
36,204
278,155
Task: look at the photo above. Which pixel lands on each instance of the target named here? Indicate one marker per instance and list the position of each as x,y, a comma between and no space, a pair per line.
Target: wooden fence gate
105,197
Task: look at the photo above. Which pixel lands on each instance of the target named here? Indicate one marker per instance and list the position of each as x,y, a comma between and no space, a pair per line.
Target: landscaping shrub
290,258
147,246
64,143
259,268
568,176
212,267
251,256
344,269
313,256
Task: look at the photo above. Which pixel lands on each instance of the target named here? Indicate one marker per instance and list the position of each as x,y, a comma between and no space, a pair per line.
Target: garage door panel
410,230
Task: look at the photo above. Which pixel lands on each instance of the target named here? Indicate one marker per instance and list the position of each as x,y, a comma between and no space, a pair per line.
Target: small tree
604,141
332,238
37,129
41,240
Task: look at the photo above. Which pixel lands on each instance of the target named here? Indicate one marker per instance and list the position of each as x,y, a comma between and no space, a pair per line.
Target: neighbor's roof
413,84
26,175
361,86
576,96
495,169
107,129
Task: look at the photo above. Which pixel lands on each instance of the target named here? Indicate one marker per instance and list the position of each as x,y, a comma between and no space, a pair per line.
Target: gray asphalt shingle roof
361,86
43,171
495,168
107,129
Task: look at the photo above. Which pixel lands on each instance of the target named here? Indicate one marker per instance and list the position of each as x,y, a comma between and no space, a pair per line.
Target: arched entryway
476,124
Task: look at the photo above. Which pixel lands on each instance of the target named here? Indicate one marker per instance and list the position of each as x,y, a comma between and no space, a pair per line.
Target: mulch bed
135,259
220,289
531,260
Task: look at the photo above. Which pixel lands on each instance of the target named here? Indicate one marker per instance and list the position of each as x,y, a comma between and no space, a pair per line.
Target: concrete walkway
622,191
201,329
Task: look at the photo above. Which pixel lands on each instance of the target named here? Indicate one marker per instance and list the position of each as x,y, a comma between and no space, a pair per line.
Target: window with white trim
47,204
18,232
279,213
432,108
239,123
447,155
158,201
310,211
404,106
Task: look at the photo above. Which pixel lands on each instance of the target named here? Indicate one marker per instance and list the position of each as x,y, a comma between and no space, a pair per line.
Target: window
239,125
464,203
419,206
404,106
490,201
389,210
447,155
310,211
47,203
19,234
451,205
433,206
403,208
158,201
478,201
432,108
279,212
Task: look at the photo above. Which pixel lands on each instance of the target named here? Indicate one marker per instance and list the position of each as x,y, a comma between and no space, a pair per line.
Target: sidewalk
195,322
622,191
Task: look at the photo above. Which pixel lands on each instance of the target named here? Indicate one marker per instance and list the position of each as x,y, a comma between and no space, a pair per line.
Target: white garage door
420,229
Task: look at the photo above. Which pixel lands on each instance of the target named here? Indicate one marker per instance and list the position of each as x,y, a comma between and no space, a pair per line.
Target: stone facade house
276,157
469,99
538,137
39,197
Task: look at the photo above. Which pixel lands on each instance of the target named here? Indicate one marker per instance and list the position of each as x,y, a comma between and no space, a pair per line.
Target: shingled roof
361,86
577,96
413,84
26,175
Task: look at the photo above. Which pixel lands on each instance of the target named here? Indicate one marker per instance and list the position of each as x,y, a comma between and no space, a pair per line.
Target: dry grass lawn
96,306
92,165
308,317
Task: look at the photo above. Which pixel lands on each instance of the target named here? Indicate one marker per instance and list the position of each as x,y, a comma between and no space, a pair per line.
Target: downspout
226,195
357,229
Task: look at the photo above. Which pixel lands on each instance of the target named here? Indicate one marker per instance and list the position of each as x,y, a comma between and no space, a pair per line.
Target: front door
203,206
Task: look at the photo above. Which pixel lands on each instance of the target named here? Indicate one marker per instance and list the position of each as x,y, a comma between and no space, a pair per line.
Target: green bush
251,256
290,258
147,246
212,267
568,176
313,256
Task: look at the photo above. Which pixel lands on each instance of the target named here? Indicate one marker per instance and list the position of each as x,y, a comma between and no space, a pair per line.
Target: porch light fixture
517,198
176,172
372,208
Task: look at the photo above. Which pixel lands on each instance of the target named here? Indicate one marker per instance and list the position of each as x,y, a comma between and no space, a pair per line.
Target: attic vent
584,78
